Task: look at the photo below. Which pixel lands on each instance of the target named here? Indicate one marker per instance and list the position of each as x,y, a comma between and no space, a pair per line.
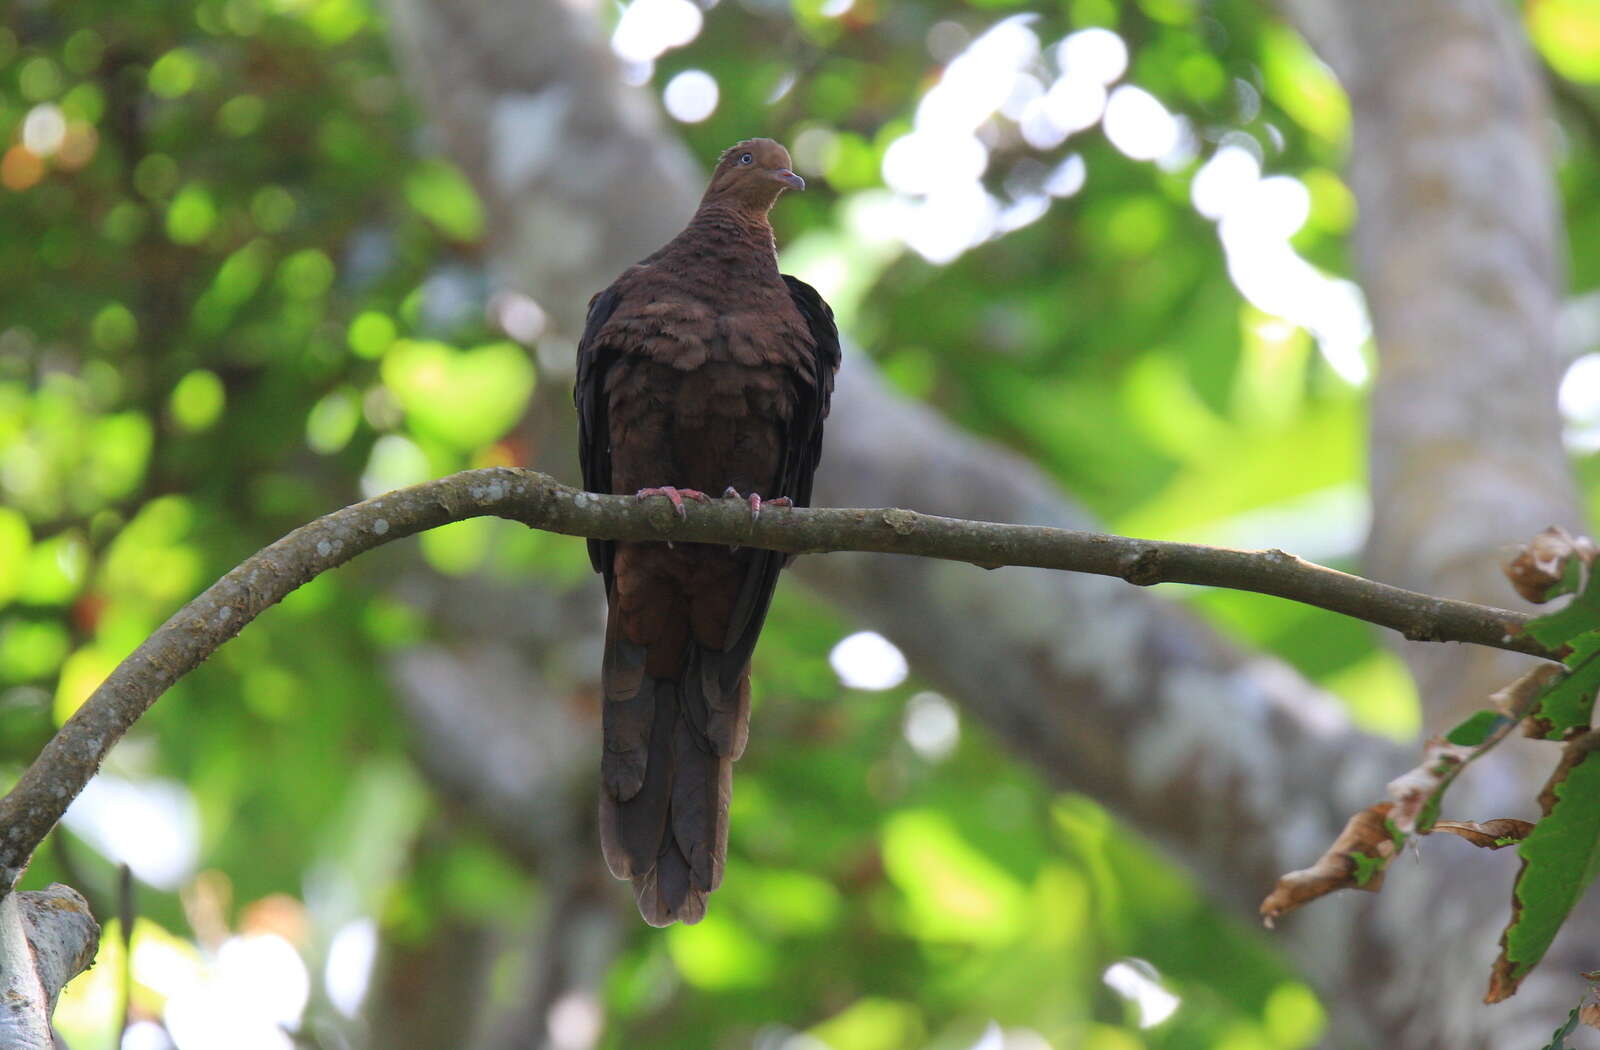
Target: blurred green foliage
236,295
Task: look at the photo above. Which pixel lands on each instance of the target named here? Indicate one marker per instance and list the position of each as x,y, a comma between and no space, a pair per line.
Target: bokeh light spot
931,726
1096,53
191,215
197,401
349,968
151,825
648,28
1138,982
691,96
371,333
174,73
868,660
44,129
1138,124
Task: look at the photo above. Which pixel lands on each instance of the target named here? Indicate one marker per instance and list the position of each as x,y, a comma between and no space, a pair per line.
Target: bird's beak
789,179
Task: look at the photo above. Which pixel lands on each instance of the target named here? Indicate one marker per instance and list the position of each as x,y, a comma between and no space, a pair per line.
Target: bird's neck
727,228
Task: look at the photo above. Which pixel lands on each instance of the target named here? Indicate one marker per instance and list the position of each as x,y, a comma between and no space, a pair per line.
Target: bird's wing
594,429
816,391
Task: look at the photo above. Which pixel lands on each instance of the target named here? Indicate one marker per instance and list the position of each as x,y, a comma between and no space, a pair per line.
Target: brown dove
701,370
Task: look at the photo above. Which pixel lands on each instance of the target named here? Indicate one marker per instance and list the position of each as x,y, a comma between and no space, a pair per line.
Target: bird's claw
755,501
675,495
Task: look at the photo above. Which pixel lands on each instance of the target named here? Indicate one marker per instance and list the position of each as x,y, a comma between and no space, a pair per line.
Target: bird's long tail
667,774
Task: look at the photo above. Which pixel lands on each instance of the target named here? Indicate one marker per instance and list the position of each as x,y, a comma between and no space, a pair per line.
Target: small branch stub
1144,568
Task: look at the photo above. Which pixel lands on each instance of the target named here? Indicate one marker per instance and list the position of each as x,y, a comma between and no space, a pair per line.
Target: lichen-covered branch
47,937
71,757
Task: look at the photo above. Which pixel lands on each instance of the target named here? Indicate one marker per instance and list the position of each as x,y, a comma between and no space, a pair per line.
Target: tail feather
727,704
668,769
666,895
627,715
632,828
700,796
667,780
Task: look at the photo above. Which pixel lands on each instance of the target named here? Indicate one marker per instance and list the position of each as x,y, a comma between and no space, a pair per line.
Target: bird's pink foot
755,501
676,495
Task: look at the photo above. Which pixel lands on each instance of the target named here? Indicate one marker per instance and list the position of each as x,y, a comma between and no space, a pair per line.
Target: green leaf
55,570
1303,86
1562,626
332,421
1571,582
463,398
1367,867
1558,1038
445,198
952,891
1568,701
1567,32
31,649
114,327
16,539
872,1024
197,401
1475,730
306,274
240,274
1560,859
119,451
718,953
192,215
459,547
174,73
371,333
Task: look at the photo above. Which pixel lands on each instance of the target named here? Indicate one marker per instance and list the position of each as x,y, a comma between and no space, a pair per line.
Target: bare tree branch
74,754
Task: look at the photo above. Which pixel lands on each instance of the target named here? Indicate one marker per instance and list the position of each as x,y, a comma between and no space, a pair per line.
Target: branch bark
47,937
73,755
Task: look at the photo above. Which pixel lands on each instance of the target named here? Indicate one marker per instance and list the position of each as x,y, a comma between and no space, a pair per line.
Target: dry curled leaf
1491,834
1542,563
1589,1014
1356,859
1515,699
1412,790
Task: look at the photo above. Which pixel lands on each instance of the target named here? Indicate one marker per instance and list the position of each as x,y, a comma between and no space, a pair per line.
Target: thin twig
74,754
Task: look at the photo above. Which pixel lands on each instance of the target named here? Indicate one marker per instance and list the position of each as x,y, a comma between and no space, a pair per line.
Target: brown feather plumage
701,367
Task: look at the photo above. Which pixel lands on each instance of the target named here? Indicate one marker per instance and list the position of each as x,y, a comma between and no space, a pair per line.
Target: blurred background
1323,276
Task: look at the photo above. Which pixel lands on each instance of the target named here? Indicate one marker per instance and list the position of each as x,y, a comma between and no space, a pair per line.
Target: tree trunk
1458,247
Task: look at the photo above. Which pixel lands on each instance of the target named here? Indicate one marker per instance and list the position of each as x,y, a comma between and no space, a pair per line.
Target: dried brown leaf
1491,834
1542,563
1589,1014
1515,699
1356,859
1412,790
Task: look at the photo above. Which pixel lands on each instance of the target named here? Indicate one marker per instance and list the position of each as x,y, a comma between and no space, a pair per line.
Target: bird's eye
745,158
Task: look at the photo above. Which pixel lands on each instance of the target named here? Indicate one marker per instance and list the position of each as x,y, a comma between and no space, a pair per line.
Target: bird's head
752,174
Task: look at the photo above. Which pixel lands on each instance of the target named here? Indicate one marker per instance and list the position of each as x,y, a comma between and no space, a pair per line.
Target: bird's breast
720,424
688,321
